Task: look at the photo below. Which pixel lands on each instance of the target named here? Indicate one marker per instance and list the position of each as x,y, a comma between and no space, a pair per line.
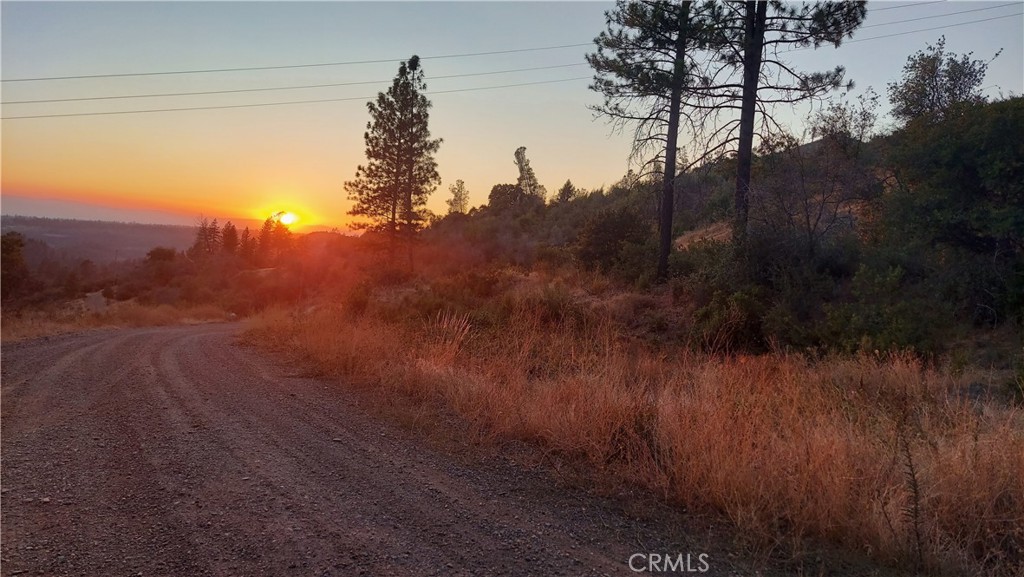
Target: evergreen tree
265,241
281,236
749,36
644,68
274,240
567,192
13,270
459,202
665,67
207,240
247,245
229,238
213,237
391,190
527,179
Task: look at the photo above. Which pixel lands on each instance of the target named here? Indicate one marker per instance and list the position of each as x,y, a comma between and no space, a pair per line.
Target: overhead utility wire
445,91
845,42
331,85
911,5
377,61
940,15
287,66
933,28
113,112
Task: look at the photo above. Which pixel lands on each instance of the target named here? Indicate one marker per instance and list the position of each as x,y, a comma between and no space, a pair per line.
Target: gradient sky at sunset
251,162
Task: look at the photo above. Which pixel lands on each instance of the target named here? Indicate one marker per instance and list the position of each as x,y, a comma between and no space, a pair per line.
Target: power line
115,112
940,15
911,5
933,28
385,60
449,91
288,66
331,85
904,33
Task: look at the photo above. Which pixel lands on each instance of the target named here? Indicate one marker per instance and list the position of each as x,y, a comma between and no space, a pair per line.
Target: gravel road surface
176,451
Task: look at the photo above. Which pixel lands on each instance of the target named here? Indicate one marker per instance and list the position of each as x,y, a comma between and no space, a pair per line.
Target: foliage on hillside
912,240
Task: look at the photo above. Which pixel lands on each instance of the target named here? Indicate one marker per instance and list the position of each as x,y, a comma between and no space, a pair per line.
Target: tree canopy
391,189
934,82
527,179
709,69
459,202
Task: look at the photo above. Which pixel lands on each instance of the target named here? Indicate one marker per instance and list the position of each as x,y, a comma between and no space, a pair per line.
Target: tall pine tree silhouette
391,189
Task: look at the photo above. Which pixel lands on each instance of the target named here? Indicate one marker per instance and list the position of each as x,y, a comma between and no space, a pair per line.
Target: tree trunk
671,145
410,217
753,44
393,227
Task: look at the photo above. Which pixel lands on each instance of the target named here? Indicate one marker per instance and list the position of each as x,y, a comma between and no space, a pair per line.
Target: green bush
636,263
730,321
889,311
602,239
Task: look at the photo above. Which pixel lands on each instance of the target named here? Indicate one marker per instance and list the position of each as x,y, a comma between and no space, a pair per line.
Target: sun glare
288,218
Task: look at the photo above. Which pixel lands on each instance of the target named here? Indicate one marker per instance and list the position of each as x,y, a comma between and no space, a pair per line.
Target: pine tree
567,192
527,179
265,241
459,202
207,240
391,189
666,67
247,246
274,240
644,69
229,238
749,36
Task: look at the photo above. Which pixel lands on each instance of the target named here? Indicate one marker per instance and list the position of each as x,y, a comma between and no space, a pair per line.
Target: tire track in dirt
173,451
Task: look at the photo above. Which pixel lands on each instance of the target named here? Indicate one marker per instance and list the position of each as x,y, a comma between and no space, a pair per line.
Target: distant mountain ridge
99,241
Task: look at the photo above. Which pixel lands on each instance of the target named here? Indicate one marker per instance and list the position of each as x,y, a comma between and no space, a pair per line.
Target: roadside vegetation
882,454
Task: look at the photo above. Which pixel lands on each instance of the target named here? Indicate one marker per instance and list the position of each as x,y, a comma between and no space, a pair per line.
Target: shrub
889,311
602,239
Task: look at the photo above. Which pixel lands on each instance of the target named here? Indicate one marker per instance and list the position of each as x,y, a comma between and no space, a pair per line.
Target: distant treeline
98,241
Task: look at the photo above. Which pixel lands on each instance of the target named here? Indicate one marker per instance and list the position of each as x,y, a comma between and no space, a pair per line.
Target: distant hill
99,241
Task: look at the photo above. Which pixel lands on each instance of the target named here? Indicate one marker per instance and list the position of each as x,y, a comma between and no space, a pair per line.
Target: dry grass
719,231
38,323
872,454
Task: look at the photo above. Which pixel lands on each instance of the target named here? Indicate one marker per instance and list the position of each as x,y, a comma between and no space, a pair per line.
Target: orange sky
189,167
252,162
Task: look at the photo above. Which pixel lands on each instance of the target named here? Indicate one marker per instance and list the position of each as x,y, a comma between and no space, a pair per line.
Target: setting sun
288,218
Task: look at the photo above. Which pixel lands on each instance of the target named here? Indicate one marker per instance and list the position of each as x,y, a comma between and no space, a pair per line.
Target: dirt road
175,451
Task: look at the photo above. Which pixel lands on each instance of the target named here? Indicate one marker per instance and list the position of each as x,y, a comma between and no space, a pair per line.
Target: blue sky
244,162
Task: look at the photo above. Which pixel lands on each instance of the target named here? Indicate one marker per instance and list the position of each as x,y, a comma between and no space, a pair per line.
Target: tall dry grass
38,323
872,454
